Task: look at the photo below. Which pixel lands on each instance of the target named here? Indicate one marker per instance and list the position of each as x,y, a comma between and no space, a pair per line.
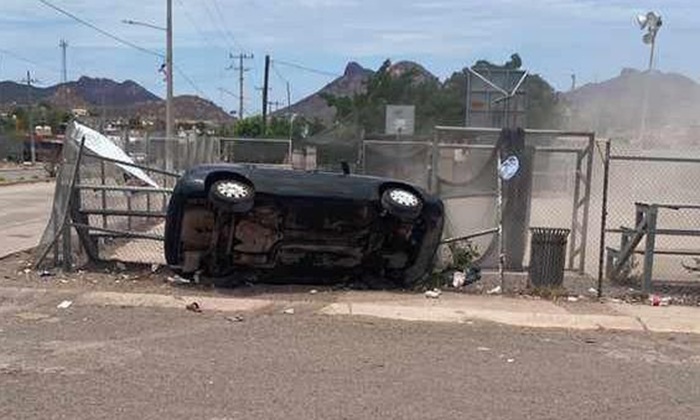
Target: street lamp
169,120
652,23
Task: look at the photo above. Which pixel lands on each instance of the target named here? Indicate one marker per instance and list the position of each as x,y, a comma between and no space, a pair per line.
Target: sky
593,39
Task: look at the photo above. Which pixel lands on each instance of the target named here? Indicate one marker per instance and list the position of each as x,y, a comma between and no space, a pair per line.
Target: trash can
547,256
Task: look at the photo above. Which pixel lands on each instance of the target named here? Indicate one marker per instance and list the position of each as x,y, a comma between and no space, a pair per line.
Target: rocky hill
352,81
123,99
614,107
186,107
314,106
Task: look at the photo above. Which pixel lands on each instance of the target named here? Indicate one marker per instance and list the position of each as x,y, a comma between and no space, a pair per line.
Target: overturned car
228,218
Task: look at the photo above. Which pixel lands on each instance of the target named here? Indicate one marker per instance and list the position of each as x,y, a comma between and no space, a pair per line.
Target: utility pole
64,71
241,77
573,82
30,121
289,96
266,86
169,119
273,106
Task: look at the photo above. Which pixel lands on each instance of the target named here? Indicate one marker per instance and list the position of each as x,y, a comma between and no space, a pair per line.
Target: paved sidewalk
24,212
449,308
534,313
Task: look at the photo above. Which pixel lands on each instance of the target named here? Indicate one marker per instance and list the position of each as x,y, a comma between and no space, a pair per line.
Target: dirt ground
17,271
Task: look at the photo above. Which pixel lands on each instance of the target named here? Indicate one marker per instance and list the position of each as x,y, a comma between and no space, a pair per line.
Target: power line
196,27
125,42
308,69
102,31
28,61
191,82
224,24
228,92
217,25
278,74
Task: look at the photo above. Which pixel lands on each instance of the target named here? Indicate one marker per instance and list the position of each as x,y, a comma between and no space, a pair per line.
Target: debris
313,291
197,278
483,349
237,318
433,294
65,304
177,280
194,307
45,273
572,299
458,279
616,300
27,270
510,360
495,291
120,266
155,268
288,311
656,300
593,291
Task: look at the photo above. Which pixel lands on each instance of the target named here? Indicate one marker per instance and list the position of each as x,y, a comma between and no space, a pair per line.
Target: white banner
102,146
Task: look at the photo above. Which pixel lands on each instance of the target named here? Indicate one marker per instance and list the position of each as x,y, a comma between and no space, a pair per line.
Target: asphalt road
146,363
24,212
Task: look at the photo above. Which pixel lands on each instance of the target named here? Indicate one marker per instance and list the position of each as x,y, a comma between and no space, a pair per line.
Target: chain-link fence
259,151
460,165
664,178
102,212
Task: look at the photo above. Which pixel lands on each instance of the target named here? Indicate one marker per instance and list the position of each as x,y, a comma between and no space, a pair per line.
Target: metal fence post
104,193
434,162
128,208
603,217
574,212
586,202
652,212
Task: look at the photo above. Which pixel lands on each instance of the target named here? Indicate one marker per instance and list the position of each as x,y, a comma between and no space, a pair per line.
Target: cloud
555,37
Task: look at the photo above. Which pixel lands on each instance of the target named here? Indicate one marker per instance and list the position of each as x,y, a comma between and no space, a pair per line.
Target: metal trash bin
547,256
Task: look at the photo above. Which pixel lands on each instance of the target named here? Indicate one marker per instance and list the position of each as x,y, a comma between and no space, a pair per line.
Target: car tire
402,203
232,195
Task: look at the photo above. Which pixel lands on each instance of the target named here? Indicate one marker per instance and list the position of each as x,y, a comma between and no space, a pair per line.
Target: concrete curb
147,300
26,181
171,301
530,314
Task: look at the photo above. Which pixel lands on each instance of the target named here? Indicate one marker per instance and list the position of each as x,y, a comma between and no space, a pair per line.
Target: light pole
169,117
652,23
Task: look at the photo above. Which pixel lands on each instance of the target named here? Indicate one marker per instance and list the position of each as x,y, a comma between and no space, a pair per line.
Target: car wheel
232,195
402,203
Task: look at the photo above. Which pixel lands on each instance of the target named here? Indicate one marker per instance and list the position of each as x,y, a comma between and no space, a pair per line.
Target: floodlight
641,21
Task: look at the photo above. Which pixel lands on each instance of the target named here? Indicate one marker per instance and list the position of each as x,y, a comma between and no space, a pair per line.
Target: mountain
122,99
314,106
351,82
186,107
86,91
615,107
420,74
98,92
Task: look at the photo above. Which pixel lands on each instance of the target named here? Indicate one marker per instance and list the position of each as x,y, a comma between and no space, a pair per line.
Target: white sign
400,119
